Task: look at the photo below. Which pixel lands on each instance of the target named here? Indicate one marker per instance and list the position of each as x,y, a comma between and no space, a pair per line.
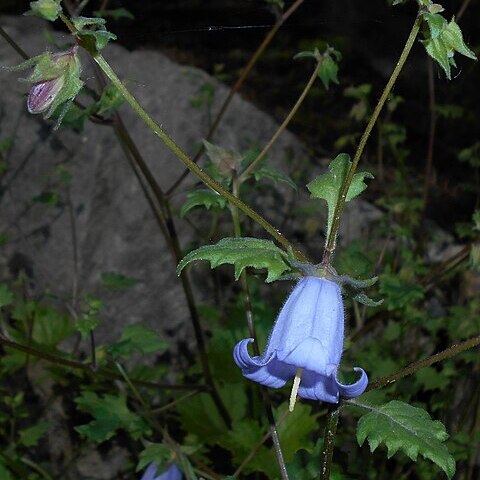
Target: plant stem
426,362
431,135
251,328
236,87
210,182
329,441
330,245
64,362
282,127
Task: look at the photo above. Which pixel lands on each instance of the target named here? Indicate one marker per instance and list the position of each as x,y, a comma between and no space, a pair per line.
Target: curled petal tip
355,389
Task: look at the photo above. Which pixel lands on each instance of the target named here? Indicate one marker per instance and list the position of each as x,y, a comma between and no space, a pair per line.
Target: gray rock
114,226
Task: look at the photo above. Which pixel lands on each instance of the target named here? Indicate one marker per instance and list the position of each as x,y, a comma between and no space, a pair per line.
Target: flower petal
150,472
265,370
314,386
355,389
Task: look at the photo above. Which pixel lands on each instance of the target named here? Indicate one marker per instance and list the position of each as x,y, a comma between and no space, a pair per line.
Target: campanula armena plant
169,400
306,343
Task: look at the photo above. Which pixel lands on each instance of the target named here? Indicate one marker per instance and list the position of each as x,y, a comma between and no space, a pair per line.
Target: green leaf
47,9
401,426
93,30
398,293
241,252
443,40
328,71
4,473
295,431
29,437
202,198
50,326
452,36
110,100
115,13
156,453
137,338
111,413
200,417
6,295
273,174
329,185
117,281
87,324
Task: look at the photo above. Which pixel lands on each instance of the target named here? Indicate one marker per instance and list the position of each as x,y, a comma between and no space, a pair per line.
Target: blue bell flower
306,343
172,473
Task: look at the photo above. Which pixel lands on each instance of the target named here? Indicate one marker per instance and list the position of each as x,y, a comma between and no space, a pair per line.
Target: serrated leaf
295,431
241,252
156,453
6,295
273,174
30,436
452,35
328,71
110,100
366,300
401,426
47,9
93,29
117,281
398,293
444,40
329,185
137,338
111,413
202,198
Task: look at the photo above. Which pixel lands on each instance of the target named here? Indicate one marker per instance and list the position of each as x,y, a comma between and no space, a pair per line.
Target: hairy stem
329,442
251,328
236,87
210,182
426,362
330,245
65,362
282,127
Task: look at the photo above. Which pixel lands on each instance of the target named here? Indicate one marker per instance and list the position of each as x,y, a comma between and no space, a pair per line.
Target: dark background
220,35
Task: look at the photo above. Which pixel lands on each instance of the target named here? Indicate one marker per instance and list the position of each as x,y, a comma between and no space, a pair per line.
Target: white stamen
296,385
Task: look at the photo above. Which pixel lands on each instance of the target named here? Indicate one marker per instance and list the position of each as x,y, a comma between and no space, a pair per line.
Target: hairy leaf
401,426
47,9
273,174
111,413
241,252
202,198
137,338
329,185
157,453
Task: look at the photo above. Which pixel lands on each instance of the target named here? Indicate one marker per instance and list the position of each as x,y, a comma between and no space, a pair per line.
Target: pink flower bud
43,94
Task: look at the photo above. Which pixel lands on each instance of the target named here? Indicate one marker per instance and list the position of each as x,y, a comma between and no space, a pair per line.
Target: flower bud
43,94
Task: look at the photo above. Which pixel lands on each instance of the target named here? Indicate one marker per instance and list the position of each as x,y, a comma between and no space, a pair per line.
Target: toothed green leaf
241,252
202,198
329,185
402,427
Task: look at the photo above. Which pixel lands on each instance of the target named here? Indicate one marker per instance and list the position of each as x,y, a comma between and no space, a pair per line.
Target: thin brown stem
431,135
282,127
251,328
236,87
462,10
426,362
64,362
330,245
329,442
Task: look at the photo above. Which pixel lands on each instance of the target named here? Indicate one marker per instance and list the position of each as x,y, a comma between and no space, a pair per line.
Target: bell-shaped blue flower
306,343
172,473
